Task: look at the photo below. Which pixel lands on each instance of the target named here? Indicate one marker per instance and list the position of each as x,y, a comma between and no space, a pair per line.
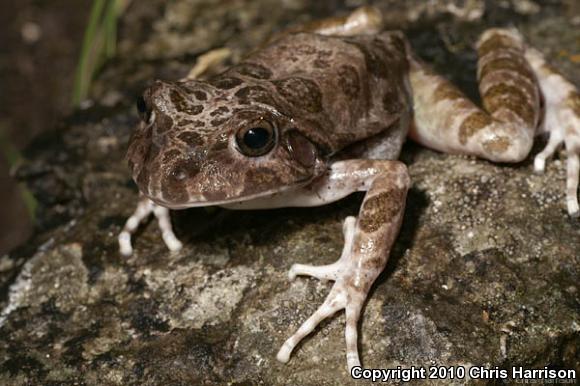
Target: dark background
39,50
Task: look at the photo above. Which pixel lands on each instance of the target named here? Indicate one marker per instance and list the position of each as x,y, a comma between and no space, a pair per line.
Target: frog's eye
143,109
257,139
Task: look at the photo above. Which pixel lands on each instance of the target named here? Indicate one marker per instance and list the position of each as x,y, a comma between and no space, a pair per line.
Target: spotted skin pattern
339,97
181,156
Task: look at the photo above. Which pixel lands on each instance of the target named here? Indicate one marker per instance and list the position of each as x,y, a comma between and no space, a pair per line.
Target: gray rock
487,256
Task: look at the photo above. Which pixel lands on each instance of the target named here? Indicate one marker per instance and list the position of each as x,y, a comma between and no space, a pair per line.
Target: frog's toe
125,246
353,310
572,185
341,296
143,210
554,142
164,222
335,301
573,209
329,271
573,172
172,242
322,272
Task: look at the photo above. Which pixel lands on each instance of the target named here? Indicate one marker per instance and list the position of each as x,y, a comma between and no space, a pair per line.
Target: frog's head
199,144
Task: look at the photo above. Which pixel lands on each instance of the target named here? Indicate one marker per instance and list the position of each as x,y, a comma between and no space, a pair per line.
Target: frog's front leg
368,241
144,209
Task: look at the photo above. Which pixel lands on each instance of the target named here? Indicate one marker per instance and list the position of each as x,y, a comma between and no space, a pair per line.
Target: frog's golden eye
256,139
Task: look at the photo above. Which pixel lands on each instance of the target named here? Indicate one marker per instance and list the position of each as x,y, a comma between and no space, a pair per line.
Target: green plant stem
84,69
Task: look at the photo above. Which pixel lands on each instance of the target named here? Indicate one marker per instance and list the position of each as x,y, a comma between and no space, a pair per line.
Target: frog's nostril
143,109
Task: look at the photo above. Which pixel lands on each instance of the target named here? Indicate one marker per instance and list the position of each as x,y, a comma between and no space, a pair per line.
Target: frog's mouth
262,200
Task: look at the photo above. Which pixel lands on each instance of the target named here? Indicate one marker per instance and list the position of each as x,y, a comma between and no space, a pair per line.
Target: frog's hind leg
368,241
561,121
446,120
511,85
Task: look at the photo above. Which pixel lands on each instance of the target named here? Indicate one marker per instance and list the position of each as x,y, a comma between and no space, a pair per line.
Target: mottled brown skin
329,92
474,122
377,209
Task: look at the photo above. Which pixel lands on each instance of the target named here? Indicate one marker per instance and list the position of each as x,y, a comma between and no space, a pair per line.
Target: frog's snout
145,102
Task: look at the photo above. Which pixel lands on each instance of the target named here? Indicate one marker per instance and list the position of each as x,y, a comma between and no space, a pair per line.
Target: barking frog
322,112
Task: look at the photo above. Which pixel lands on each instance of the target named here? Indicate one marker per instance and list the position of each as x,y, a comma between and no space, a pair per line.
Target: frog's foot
561,121
342,296
144,208
367,242
330,271
567,132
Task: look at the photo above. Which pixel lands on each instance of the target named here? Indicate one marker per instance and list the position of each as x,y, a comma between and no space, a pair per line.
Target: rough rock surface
486,255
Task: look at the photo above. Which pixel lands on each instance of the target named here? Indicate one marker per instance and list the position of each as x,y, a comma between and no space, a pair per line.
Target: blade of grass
99,43
110,26
85,67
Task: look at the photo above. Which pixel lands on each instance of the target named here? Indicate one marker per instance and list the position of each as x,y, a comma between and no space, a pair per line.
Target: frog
322,111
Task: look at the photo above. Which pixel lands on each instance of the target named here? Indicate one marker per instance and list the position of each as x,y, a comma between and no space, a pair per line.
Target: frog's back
339,90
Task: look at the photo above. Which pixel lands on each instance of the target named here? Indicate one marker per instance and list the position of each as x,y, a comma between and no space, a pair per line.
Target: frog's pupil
256,138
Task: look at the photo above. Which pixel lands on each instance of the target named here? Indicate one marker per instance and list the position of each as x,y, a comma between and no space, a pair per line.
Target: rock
484,273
